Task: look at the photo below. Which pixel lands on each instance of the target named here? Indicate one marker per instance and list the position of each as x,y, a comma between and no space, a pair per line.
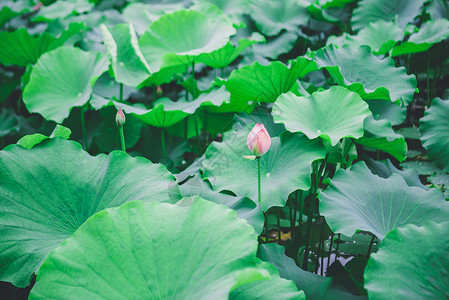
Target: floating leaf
362,72
430,33
357,199
277,46
273,16
206,251
61,9
285,168
399,11
47,192
332,114
265,83
127,61
179,37
62,79
434,127
396,271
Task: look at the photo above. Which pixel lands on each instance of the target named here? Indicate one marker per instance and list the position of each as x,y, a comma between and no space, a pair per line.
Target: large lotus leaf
362,72
400,11
265,83
196,250
127,61
224,56
434,127
141,15
166,112
412,263
62,79
438,9
331,114
29,141
47,192
179,37
61,9
357,199
314,286
273,16
285,168
21,48
245,208
431,32
381,36
380,135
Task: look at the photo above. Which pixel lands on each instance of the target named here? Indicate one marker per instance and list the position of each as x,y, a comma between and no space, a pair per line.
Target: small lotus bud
259,140
159,91
120,117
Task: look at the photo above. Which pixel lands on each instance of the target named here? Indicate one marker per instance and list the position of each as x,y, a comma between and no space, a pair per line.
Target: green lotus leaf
62,79
141,15
273,16
274,47
275,288
396,271
400,11
430,33
266,83
332,114
321,14
380,135
381,36
194,250
357,199
285,168
128,64
434,127
61,9
387,110
166,112
438,9
313,285
179,37
29,141
224,56
7,14
245,208
21,48
362,72
47,192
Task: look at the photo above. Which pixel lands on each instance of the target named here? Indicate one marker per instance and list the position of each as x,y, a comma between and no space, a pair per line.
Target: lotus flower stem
83,127
370,246
278,224
121,92
428,79
122,138
330,250
259,194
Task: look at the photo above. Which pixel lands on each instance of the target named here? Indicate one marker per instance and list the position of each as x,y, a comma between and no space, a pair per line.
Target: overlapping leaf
412,263
362,72
356,200
47,192
62,79
331,114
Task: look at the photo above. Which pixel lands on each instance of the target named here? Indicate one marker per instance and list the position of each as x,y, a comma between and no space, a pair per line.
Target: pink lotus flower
259,140
120,117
